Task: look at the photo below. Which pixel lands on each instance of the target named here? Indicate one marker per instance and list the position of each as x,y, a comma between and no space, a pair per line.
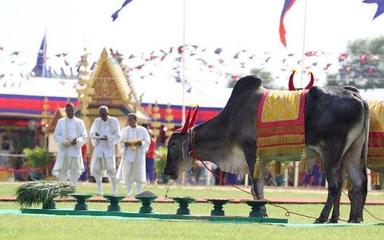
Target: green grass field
51,227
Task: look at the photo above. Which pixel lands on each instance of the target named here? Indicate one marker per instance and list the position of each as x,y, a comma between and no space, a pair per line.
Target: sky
148,24
145,25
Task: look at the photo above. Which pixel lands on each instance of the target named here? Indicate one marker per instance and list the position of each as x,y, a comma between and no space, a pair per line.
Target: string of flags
214,61
217,63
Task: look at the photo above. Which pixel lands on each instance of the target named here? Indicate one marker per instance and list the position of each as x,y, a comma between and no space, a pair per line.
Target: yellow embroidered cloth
280,123
280,106
376,134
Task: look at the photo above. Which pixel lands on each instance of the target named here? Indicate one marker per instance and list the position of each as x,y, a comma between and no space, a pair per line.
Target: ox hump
247,83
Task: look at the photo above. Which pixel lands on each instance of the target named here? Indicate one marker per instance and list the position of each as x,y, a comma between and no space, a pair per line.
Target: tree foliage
364,65
265,76
36,157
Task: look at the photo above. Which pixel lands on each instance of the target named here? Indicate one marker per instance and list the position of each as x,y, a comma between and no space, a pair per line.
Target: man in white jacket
70,135
105,134
135,141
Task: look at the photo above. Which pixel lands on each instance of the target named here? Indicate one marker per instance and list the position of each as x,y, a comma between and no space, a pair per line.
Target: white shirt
138,133
109,128
66,130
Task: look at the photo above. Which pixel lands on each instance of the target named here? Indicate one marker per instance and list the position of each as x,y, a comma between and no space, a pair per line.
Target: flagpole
183,62
303,45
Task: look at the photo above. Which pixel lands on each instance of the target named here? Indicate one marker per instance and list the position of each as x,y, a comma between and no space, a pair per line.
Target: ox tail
366,131
365,151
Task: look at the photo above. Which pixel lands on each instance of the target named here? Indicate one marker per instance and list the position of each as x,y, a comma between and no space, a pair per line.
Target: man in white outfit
135,141
105,134
70,135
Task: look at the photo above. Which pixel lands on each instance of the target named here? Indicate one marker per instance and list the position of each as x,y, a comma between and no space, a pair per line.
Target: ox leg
332,161
364,187
336,206
259,186
257,183
258,192
356,195
356,169
334,187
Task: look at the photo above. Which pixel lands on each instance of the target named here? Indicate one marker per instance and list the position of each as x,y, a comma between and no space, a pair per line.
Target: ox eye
173,144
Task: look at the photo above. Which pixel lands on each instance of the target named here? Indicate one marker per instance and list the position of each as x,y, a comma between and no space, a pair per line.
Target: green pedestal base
183,205
163,216
218,206
81,198
114,202
256,208
146,204
146,198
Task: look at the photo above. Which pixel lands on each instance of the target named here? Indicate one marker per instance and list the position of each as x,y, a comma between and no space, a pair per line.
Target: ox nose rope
287,211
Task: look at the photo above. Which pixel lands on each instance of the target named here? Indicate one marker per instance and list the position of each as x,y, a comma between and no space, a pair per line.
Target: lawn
51,227
31,227
9,189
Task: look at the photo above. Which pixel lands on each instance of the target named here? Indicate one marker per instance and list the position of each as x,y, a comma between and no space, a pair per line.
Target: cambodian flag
287,5
40,69
115,15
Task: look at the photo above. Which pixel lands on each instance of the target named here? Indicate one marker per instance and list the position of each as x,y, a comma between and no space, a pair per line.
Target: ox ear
184,129
291,86
192,123
311,81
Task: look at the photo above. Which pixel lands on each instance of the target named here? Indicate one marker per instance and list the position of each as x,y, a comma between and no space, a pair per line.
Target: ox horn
193,120
291,86
184,129
311,82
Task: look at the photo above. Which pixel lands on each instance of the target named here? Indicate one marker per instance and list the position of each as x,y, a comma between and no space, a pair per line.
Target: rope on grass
366,210
287,211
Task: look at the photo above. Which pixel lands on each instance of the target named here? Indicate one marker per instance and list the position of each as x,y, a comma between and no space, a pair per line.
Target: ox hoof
358,220
319,221
333,221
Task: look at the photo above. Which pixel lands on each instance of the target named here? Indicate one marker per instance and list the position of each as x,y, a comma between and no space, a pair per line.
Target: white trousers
98,167
70,170
134,172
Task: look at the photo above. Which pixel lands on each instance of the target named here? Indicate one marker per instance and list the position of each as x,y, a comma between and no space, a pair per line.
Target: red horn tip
311,81
291,86
193,120
184,129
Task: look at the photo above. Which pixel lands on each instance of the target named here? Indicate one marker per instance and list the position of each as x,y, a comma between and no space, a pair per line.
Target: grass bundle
34,193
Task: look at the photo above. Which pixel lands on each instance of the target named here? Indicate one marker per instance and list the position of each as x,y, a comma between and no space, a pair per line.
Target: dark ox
336,130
